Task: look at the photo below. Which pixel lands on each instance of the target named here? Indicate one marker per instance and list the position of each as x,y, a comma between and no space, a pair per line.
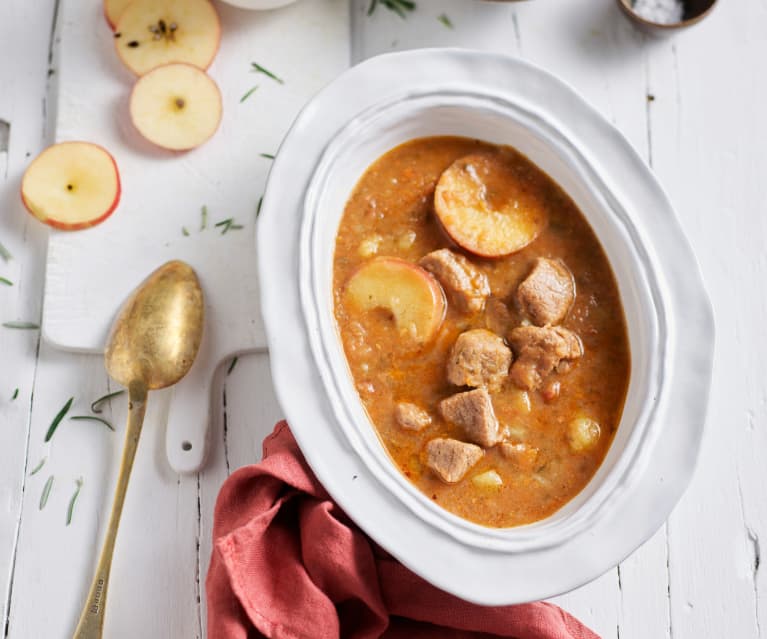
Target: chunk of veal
478,358
473,412
538,351
466,286
451,459
547,294
411,417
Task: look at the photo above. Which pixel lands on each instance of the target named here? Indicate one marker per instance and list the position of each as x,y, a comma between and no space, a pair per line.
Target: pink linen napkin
289,564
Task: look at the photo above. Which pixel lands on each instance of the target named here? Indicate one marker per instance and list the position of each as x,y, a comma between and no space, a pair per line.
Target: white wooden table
694,105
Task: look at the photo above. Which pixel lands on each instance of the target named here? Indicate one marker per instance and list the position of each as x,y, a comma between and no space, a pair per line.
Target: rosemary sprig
204,216
5,281
184,231
46,492
24,326
268,156
445,19
15,394
400,7
232,365
93,418
57,420
259,69
5,253
258,208
96,406
228,225
37,468
248,93
75,495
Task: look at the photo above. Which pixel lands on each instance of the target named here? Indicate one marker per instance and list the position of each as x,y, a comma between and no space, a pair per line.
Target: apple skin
390,272
459,204
77,226
203,64
112,16
148,77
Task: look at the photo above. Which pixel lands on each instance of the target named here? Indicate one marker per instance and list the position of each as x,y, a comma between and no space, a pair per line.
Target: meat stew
483,328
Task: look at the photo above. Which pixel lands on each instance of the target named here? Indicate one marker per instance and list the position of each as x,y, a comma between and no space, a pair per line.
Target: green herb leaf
57,420
232,365
25,326
248,93
184,231
400,7
268,156
204,214
37,468
5,253
228,225
444,19
71,508
15,394
258,208
96,406
259,69
46,492
93,418
5,281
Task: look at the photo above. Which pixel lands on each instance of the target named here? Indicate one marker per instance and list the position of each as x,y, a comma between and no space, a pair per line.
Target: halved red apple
71,185
176,106
113,10
485,208
411,294
150,33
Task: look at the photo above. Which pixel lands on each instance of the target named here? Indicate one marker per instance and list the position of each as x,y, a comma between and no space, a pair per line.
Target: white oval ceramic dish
394,98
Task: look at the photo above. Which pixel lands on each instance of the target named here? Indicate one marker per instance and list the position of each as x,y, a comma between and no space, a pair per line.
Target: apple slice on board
412,295
71,185
150,33
176,106
113,10
485,207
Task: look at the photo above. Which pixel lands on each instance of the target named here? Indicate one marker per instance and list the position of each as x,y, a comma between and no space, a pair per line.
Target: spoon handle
91,623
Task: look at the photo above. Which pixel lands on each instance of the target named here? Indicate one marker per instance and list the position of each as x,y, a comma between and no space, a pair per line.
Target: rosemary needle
5,253
71,508
258,68
184,231
444,19
248,93
258,208
232,365
268,156
15,394
37,468
57,420
6,281
46,492
96,406
204,215
25,326
92,418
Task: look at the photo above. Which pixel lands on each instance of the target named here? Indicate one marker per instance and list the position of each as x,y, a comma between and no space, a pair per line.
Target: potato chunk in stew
475,393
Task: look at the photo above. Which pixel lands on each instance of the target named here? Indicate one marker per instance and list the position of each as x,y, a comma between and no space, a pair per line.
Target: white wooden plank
23,78
706,139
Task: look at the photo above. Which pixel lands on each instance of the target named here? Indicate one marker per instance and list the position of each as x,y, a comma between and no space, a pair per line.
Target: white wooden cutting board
89,273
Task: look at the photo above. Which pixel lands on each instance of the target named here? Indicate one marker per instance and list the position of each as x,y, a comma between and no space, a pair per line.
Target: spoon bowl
158,330
152,345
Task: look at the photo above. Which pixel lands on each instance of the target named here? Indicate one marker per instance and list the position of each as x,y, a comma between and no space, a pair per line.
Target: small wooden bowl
694,12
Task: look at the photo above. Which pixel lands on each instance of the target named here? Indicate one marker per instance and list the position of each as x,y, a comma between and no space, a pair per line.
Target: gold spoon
152,345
